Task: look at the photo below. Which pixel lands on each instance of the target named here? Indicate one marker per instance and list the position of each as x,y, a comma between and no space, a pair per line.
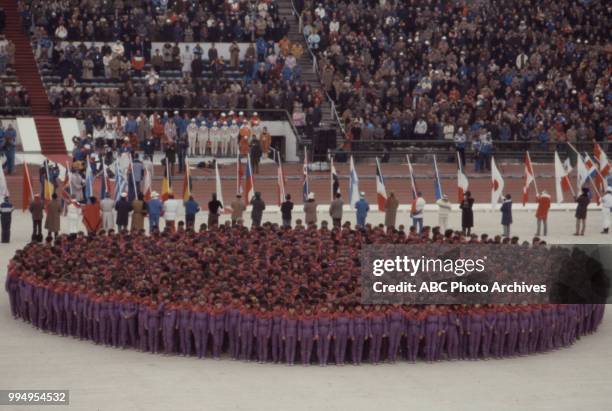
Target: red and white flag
27,191
497,183
249,184
381,192
239,175
147,184
218,189
562,181
604,164
462,181
529,178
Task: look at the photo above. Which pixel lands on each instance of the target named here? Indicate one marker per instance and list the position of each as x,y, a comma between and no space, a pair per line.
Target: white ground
101,378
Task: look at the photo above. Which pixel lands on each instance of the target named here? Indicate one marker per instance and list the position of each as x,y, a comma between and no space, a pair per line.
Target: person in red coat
542,212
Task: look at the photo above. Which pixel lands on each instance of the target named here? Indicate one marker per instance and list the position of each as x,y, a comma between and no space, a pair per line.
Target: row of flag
588,171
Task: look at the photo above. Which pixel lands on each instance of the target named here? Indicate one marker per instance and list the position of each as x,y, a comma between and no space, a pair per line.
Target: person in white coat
74,214
171,210
192,137
416,212
606,209
444,209
107,205
214,135
203,137
234,130
224,138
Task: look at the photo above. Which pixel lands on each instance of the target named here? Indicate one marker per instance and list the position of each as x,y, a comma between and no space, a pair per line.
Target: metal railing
514,150
12,111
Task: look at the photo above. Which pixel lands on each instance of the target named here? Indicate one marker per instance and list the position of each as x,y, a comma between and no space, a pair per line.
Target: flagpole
133,177
535,183
238,172
331,179
414,191
168,176
25,167
437,175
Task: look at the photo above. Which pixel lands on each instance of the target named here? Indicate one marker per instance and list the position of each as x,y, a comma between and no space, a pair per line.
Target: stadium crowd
277,294
173,20
507,71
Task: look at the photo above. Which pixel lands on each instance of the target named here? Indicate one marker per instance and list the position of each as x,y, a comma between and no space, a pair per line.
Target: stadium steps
26,70
309,75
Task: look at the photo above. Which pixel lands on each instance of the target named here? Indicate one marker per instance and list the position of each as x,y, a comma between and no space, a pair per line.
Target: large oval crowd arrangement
265,294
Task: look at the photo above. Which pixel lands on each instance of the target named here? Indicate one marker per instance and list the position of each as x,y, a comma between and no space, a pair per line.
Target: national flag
249,185
582,172
166,188
26,191
381,192
437,184
239,174
594,172
218,189
280,179
529,178
497,183
602,158
187,183
335,182
305,182
147,184
562,181
67,185
89,180
462,181
48,188
353,184
412,182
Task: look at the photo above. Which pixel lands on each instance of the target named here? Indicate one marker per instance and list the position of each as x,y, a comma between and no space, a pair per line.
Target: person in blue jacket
362,208
154,208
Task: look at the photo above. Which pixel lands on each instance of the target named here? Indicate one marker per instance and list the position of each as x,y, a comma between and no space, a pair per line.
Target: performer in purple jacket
432,332
488,331
231,327
525,330
452,335
169,326
127,321
263,331
396,326
377,330
513,332
323,334
217,323
153,327
114,317
546,341
475,325
290,334
184,326
200,328
276,336
143,317
306,335
341,328
536,330
358,331
500,332
246,329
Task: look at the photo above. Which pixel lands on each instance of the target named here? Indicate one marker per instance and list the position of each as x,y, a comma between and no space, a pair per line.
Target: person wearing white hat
214,136
444,209
310,210
225,138
203,138
107,205
74,214
154,210
606,209
234,133
192,137
123,209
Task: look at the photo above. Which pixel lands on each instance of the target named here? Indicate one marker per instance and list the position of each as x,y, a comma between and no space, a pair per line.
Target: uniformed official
6,211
